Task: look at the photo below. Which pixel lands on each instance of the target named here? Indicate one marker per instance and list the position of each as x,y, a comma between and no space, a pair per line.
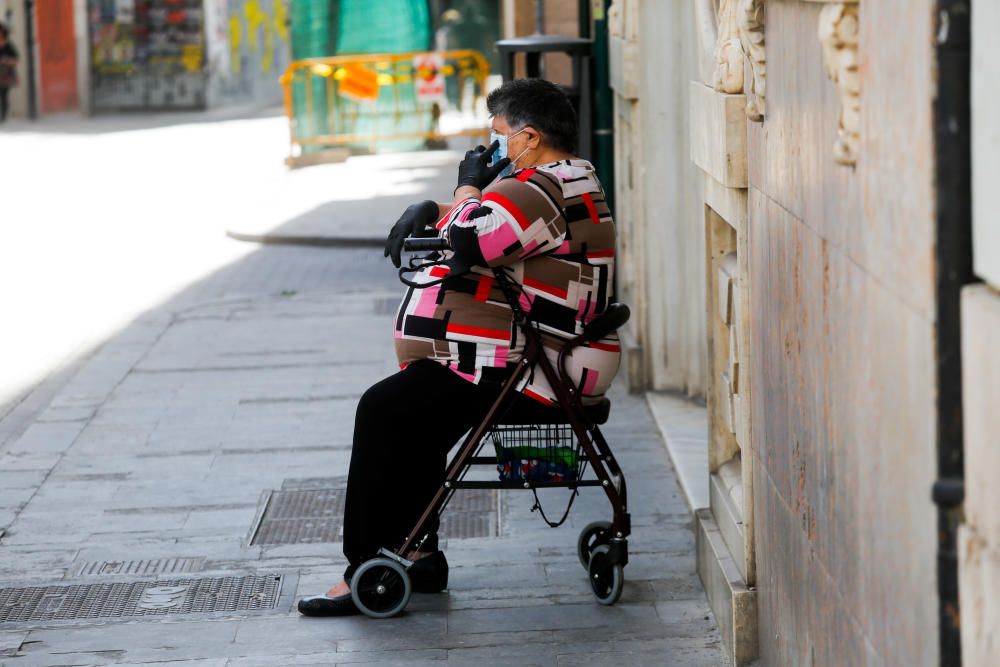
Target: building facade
793,184
979,534
116,55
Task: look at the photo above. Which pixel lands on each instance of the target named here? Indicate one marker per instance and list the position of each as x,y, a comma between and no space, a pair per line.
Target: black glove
474,170
415,218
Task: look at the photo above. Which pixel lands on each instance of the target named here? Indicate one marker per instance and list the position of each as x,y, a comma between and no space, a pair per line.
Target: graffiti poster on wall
252,50
147,54
216,35
130,34
125,11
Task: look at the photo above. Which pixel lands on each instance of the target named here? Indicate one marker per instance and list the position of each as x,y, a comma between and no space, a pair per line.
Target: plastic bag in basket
537,464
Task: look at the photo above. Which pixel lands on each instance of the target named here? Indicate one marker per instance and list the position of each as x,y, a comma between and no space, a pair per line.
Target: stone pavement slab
165,443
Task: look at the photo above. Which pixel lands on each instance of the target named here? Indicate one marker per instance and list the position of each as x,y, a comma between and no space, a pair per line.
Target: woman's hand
475,170
414,220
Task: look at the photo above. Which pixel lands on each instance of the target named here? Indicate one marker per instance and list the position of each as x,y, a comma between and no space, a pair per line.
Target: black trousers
4,104
404,427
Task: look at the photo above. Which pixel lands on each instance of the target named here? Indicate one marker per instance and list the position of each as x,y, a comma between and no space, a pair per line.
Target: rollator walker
537,447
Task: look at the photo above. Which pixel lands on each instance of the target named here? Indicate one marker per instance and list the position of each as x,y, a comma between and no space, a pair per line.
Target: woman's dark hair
541,104
4,30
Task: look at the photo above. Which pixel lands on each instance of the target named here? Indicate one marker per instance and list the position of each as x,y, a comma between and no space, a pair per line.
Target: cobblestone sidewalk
150,469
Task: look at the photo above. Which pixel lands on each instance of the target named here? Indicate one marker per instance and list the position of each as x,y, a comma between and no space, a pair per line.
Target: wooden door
56,56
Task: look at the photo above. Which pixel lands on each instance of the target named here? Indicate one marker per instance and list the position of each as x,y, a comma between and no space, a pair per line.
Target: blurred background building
118,55
113,55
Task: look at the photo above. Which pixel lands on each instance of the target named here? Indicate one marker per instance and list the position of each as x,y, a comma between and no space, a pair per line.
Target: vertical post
539,17
953,136
604,140
29,57
532,65
583,18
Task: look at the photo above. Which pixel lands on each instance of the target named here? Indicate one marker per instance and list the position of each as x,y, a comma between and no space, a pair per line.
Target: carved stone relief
751,29
728,76
838,33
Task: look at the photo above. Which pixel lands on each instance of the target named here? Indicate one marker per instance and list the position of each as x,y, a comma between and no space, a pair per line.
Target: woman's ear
534,139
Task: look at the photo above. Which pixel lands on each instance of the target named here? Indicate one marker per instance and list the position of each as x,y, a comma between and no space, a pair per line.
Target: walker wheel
606,580
381,588
596,533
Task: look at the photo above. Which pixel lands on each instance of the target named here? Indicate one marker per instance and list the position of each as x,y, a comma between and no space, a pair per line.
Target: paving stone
408,657
519,661
136,642
677,654
590,649
10,642
553,618
214,662
22,479
322,632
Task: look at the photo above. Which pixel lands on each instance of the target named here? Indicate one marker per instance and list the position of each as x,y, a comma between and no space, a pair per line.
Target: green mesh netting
386,26
383,26
345,27
314,35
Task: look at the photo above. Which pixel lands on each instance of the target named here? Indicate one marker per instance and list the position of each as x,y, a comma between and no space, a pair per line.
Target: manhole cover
304,512
142,598
145,567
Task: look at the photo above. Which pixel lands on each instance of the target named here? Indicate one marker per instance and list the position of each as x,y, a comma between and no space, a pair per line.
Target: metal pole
604,139
539,17
953,137
29,42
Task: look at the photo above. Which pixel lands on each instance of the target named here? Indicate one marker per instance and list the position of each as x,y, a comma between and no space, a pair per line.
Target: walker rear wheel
595,534
606,580
381,588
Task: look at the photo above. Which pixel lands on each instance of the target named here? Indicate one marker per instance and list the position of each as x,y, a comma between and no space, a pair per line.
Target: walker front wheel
606,579
381,588
595,534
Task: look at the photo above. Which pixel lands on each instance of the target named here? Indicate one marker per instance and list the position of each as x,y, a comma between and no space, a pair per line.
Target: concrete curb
315,241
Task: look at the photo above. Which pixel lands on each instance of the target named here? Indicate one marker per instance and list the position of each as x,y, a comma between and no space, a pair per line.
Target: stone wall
655,54
842,328
979,535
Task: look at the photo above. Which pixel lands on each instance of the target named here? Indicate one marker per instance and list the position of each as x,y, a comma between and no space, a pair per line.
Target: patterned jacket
550,229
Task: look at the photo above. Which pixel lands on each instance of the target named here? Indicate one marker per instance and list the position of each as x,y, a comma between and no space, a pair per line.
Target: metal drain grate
145,567
471,513
303,512
143,598
301,516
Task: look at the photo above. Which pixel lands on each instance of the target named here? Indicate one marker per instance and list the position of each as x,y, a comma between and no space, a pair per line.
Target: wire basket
537,453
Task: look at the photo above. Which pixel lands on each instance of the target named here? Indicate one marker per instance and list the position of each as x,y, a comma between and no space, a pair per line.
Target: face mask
501,152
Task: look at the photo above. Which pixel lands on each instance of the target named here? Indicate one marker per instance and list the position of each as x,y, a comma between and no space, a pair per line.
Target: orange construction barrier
398,100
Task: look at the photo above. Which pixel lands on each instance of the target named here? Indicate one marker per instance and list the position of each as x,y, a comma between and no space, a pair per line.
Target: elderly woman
526,206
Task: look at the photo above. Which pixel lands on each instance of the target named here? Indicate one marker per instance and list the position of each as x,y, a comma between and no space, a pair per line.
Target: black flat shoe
324,605
430,573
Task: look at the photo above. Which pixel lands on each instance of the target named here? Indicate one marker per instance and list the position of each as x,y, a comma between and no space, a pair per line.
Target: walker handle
414,244
612,319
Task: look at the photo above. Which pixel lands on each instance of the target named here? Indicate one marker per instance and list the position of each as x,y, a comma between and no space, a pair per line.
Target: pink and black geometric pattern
550,228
